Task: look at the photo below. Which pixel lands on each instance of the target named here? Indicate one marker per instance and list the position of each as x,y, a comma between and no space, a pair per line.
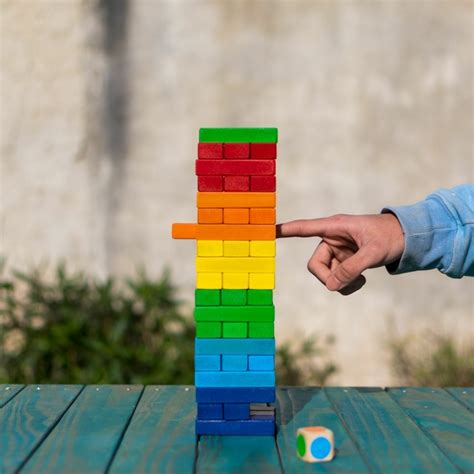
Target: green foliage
433,360
74,329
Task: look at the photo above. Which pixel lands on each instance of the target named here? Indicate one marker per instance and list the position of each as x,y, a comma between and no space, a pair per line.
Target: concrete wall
101,105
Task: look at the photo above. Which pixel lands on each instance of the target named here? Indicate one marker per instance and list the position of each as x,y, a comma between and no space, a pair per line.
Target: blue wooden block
241,427
235,346
236,363
236,411
203,363
257,362
210,411
235,395
235,379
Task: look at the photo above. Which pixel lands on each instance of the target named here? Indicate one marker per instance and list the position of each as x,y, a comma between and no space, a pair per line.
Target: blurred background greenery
73,328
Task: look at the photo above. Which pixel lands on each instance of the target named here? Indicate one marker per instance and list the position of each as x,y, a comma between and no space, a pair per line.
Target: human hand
350,244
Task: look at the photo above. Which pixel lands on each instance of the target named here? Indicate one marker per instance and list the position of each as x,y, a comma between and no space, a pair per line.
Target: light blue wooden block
236,363
206,363
234,346
258,362
235,379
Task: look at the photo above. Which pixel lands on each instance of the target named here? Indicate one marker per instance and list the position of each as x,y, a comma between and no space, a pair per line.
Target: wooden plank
239,135
7,392
89,433
464,395
446,422
389,440
160,437
27,420
218,454
309,406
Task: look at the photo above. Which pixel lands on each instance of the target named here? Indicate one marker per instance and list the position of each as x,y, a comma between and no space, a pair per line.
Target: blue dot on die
320,448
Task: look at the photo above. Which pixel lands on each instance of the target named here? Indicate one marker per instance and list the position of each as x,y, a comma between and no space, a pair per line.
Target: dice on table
315,444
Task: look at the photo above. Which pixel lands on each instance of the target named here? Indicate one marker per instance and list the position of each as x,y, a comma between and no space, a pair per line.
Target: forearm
439,233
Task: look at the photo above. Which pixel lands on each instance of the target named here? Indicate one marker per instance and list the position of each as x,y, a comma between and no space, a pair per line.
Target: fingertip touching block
233,297
262,248
208,363
234,330
262,184
209,281
236,216
235,281
235,363
263,151
236,248
207,297
236,411
208,330
261,330
262,215
224,200
259,362
210,411
260,297
210,248
262,281
210,183
315,444
210,151
184,231
210,216
237,151
236,183
235,167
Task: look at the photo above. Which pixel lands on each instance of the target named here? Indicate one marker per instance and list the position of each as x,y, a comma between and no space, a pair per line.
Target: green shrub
74,329
432,360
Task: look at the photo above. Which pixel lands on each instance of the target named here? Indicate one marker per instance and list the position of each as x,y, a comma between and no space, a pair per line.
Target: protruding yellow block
261,281
209,281
236,248
262,248
210,248
235,281
235,264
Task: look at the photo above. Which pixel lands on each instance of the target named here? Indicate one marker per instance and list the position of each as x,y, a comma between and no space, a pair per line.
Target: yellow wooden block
236,248
235,281
209,281
261,281
210,248
235,264
262,248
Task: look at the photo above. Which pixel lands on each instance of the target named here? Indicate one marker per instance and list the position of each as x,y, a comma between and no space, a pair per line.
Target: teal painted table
136,429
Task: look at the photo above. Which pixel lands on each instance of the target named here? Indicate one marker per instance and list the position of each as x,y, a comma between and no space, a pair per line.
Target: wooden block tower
235,266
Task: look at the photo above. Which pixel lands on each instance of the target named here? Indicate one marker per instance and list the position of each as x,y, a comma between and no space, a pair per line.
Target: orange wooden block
236,216
235,232
184,231
226,199
210,216
260,215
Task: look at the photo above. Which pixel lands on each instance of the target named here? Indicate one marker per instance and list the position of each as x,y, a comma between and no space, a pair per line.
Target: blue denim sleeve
438,233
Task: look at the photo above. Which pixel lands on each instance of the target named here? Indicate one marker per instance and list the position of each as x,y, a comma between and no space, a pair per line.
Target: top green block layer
238,135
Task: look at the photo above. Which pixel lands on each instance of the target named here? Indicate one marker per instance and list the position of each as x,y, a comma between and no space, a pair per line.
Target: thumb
350,269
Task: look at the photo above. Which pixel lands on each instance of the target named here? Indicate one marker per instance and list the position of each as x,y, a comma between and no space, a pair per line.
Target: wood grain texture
85,439
237,454
464,395
7,392
307,406
389,440
27,420
446,422
160,437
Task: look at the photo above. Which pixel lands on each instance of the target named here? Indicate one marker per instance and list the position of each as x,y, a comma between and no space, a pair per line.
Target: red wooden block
210,151
263,151
237,151
263,184
235,167
236,183
210,183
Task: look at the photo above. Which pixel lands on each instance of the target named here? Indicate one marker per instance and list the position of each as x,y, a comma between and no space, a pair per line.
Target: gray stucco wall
100,112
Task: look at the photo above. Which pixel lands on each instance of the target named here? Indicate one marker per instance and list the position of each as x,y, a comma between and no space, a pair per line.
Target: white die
315,444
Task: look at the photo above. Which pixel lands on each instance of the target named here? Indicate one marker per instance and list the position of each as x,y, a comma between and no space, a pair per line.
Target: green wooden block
235,313
234,330
262,330
234,297
205,330
260,297
207,298
238,135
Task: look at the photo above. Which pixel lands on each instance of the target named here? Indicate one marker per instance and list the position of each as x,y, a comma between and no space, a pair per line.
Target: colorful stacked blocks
235,266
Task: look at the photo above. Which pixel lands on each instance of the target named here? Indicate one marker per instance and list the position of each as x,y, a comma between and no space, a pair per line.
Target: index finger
303,228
